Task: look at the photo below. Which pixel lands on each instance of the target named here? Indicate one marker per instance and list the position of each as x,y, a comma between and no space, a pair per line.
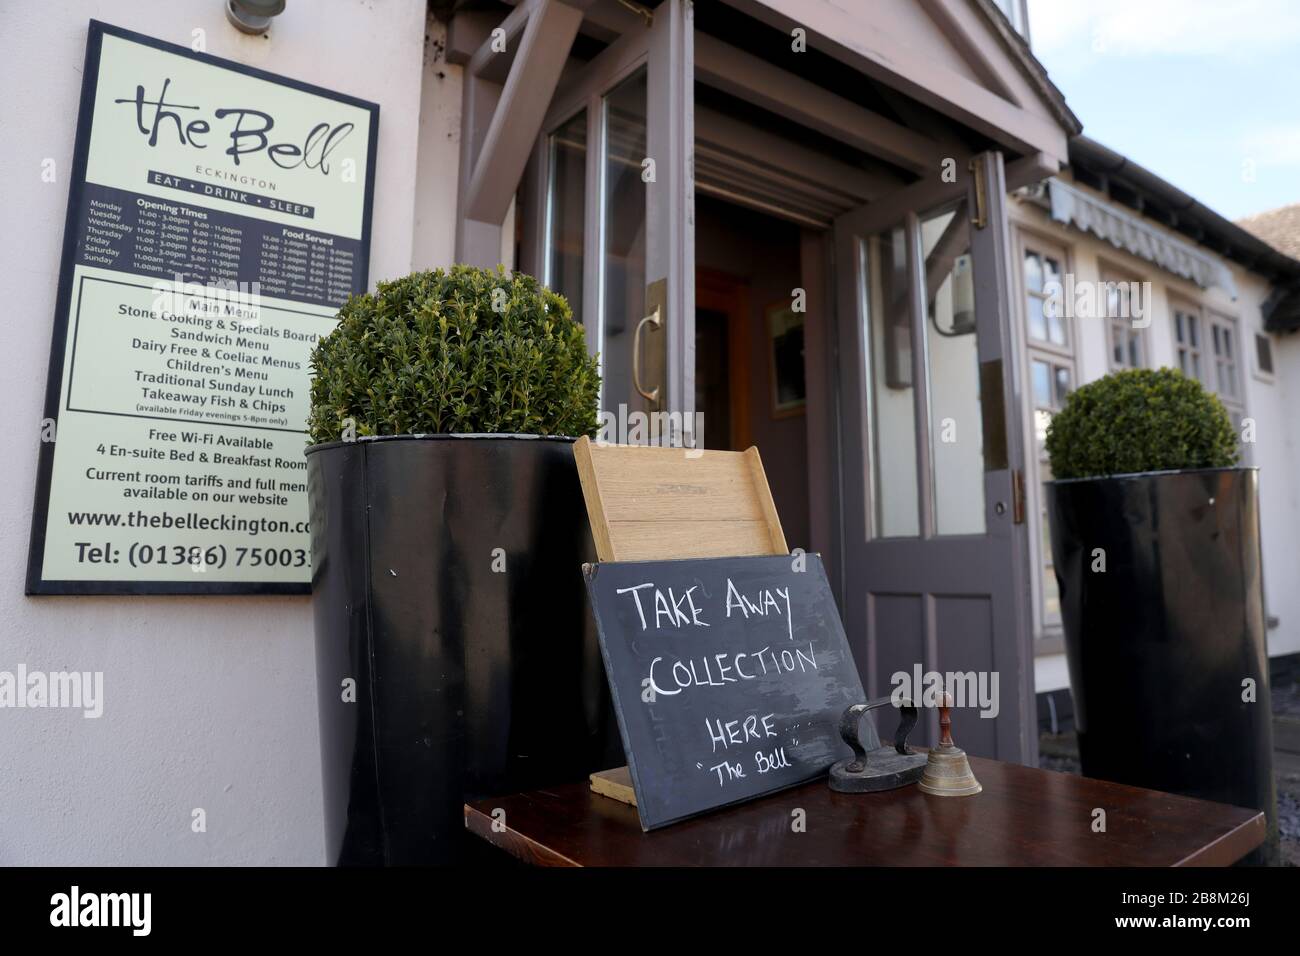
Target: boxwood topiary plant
469,350
1140,420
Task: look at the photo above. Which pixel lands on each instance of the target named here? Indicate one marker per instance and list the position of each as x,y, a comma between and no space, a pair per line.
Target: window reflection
952,361
623,218
566,208
884,288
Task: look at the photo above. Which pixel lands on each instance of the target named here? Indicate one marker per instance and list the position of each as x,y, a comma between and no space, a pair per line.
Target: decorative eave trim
1128,232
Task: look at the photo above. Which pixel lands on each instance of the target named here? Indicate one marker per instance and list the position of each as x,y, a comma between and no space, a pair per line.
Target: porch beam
713,128
543,48
1031,169
466,32
930,193
876,52
603,20
927,122
757,81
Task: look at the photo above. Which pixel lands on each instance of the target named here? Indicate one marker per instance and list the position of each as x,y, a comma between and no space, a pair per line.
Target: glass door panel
566,204
614,232
885,307
623,231
952,364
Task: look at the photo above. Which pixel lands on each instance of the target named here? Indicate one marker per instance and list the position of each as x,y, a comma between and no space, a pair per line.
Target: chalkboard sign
729,676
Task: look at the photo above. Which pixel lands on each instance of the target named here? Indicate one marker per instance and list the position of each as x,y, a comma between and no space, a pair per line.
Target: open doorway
750,371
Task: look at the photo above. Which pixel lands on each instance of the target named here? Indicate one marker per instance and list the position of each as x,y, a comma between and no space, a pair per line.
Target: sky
1204,93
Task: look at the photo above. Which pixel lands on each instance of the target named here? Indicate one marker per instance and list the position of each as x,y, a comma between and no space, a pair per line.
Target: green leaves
429,354
1140,420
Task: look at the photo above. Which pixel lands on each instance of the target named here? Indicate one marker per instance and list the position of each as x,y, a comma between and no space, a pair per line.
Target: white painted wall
1271,404
439,157
209,702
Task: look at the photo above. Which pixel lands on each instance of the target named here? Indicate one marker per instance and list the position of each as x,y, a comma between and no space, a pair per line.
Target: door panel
618,239
935,561
964,635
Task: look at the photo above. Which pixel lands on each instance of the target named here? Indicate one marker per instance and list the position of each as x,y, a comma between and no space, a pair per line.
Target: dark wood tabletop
1024,817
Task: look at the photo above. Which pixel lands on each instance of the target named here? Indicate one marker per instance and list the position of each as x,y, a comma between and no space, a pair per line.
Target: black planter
476,670
1160,643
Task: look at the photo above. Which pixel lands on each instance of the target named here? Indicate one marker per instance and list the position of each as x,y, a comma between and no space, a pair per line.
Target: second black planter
1163,610
455,653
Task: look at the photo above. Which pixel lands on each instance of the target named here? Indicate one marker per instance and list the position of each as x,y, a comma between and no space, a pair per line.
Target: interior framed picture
785,349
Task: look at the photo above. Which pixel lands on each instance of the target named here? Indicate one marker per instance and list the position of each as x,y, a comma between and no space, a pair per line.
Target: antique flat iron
873,767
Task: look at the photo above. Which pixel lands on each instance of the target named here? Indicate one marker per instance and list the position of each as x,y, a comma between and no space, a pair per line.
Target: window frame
1030,240
1215,321
1193,309
1049,637
1108,272
1267,377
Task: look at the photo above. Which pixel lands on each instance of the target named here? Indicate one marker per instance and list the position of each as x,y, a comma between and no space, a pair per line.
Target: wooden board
729,676
615,784
651,503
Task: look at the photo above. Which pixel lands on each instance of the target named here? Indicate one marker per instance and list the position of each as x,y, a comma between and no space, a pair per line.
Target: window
1263,357
1223,335
1187,341
1051,379
1208,349
1121,300
1043,299
1050,382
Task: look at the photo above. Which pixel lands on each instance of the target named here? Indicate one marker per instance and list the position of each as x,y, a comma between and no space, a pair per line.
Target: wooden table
1024,817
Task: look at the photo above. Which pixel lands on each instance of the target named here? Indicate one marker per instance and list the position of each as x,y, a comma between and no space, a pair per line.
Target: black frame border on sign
36,582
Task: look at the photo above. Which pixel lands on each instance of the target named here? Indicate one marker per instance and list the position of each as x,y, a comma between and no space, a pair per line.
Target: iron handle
654,319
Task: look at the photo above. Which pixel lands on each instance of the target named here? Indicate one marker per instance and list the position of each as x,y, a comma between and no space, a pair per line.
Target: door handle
653,319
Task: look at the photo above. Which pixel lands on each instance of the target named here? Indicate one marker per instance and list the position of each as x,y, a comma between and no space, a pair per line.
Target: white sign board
218,217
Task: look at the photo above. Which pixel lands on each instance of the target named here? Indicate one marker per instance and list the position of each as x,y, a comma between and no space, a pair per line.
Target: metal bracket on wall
645,12
1018,496
979,215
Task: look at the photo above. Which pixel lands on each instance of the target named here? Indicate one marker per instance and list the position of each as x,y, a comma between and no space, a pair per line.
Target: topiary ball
465,350
1140,420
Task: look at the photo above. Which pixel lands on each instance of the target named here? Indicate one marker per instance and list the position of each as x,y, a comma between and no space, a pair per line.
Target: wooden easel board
649,503
728,675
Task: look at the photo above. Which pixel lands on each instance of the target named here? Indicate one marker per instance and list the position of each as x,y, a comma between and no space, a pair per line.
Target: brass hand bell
947,771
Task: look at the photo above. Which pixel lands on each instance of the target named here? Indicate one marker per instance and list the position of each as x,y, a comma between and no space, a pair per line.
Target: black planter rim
440,436
1135,475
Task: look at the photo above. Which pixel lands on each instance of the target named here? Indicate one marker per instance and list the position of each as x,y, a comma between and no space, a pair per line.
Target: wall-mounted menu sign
218,216
729,677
